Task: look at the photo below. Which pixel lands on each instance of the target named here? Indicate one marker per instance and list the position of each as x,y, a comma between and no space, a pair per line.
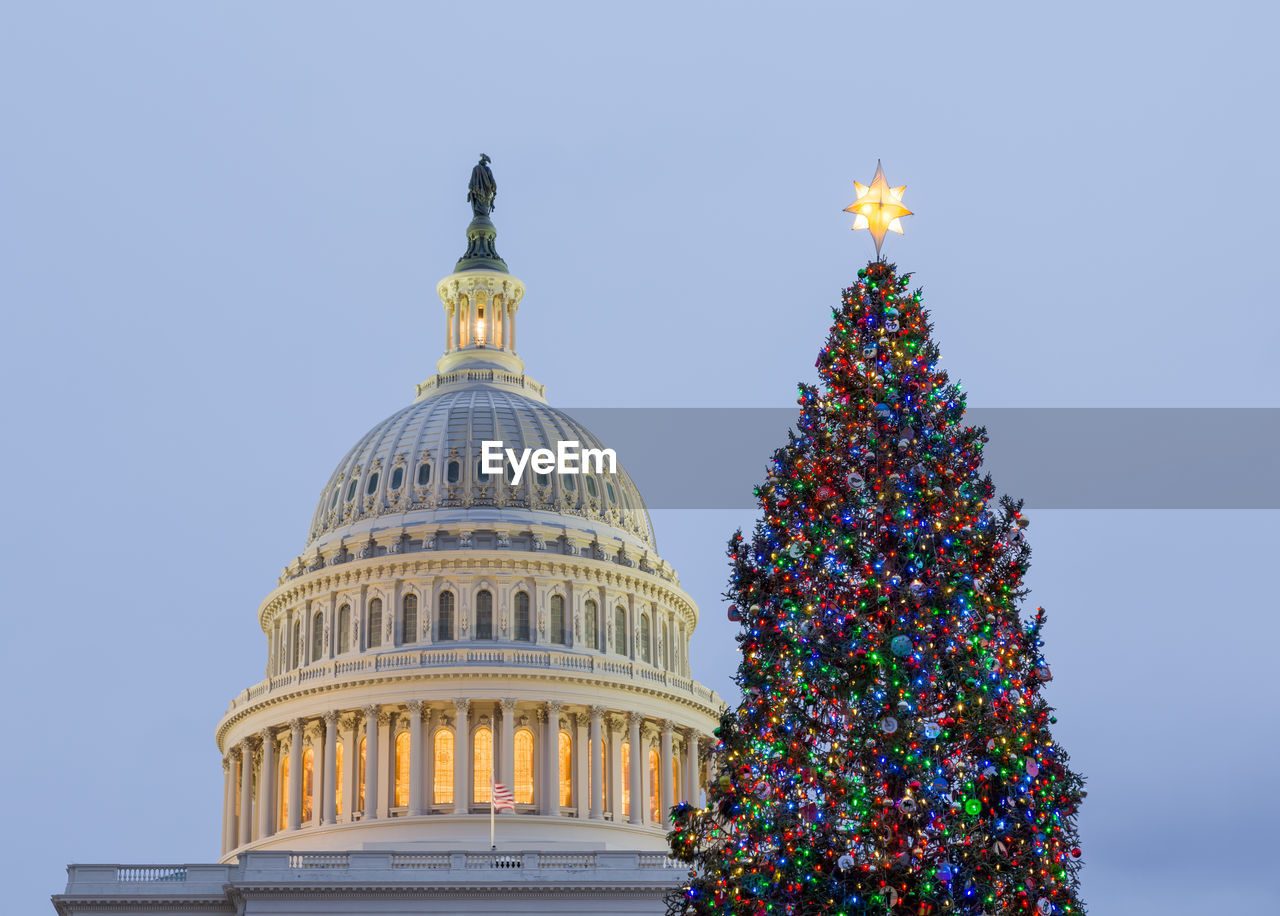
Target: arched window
453,472
373,484
337,757
484,616
351,490
646,641
402,771
442,768
620,630
282,793
482,762
566,769
374,630
522,616
609,488
360,774
397,478
344,629
675,779
308,784
626,778
424,473
557,620
655,787
523,758
317,636
409,619
591,487
444,617
590,612
297,644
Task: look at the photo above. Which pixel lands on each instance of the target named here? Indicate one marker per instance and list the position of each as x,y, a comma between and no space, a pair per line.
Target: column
266,784
448,328
244,819
350,767
329,789
370,761
595,760
691,767
415,757
551,760
318,767
613,799
295,774
228,805
638,801
665,800
506,325
504,751
511,326
462,757
428,761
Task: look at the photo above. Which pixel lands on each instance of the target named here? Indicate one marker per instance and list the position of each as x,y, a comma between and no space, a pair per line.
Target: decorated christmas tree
892,751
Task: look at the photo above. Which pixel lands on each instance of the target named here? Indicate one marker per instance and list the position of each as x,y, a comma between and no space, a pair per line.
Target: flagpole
492,807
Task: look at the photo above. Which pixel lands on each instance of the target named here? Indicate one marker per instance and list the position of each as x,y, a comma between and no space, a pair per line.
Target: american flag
503,799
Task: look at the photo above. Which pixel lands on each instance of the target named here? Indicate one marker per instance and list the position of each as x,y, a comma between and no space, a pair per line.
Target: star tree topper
878,207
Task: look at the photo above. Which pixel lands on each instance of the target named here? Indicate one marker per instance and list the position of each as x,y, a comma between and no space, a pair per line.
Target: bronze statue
483,189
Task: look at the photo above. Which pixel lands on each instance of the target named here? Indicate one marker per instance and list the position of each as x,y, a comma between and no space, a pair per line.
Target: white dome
420,466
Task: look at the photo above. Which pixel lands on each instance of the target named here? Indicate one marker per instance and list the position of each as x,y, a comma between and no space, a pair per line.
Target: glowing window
444,617
402,770
566,770
397,478
374,630
645,640
373,483
453,472
523,758
424,474
626,778
308,784
484,615
282,793
590,611
522,616
482,758
442,768
409,619
557,620
317,636
344,629
337,757
655,785
364,744
620,630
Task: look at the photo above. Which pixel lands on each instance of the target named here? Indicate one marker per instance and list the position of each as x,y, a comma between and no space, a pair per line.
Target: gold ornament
878,207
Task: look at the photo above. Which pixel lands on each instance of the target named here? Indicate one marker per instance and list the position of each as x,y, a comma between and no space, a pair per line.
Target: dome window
373,484
337,491
481,477
397,478
589,613
511,474
453,473
522,633
619,628
424,473
567,481
373,631
592,490
557,620
484,614
444,617
344,629
609,488
409,619
544,480
351,490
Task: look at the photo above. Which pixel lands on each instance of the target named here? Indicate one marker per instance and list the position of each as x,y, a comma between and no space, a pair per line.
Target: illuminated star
878,207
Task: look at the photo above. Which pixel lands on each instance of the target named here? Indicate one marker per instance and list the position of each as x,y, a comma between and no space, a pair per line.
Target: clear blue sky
221,226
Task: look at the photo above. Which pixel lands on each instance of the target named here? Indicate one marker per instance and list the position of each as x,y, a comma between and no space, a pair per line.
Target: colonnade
429,757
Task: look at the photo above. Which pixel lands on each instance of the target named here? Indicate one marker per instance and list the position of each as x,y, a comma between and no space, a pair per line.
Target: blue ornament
939,785
944,871
901,646
931,730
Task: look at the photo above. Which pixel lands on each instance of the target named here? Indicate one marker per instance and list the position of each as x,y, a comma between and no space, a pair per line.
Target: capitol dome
449,636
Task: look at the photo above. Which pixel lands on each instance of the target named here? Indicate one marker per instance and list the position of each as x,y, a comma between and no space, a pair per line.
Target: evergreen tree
892,752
